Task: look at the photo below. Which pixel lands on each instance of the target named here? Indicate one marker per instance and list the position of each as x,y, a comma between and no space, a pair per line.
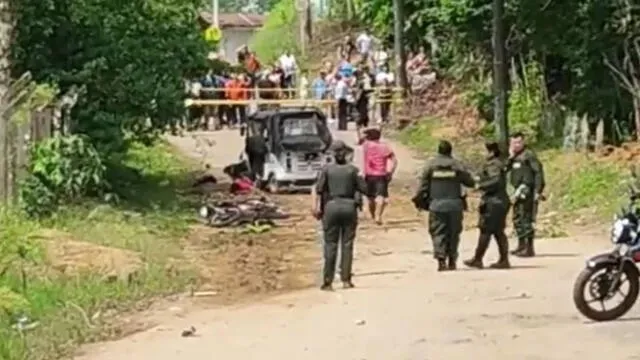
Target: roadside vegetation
64,278
100,217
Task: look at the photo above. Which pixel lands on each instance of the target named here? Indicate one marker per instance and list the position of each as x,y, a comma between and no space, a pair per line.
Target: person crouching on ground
241,183
380,164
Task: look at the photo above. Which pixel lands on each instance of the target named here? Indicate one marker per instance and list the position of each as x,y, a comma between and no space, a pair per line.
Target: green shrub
526,102
419,136
62,169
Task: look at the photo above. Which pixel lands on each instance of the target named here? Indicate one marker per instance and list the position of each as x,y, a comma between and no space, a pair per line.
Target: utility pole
215,9
398,35
500,75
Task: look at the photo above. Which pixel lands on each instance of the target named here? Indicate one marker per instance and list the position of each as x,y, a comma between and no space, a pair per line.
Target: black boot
520,247
528,250
326,286
503,250
348,284
452,263
481,249
442,265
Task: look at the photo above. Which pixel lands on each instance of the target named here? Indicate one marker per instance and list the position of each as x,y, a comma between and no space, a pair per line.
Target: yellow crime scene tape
285,102
209,89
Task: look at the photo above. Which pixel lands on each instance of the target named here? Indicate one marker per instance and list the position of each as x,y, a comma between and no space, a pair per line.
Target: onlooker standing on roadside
364,43
384,82
289,67
319,86
235,90
380,163
341,93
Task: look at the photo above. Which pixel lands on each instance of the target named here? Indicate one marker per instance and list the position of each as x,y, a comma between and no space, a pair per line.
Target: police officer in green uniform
336,199
440,193
494,207
527,178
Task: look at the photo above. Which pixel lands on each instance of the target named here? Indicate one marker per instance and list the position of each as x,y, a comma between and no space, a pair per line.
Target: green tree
131,57
569,49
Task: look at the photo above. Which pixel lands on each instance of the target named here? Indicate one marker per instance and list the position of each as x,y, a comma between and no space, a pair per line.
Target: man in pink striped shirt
379,166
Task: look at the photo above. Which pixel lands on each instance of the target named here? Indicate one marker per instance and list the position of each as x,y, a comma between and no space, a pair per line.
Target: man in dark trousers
494,206
527,178
256,149
441,183
336,200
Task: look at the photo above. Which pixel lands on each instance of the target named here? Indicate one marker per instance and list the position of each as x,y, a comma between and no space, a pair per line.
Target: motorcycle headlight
204,212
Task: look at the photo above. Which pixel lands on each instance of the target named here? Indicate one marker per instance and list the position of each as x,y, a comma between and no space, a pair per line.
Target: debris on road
189,332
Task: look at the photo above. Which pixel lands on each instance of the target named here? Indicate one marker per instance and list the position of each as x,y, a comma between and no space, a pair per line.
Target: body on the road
442,183
527,178
493,210
380,164
335,200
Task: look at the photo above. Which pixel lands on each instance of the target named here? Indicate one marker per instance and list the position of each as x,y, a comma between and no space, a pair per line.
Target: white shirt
363,42
341,90
382,76
288,64
304,87
380,57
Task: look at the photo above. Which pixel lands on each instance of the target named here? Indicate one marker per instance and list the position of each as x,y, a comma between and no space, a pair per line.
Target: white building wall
232,39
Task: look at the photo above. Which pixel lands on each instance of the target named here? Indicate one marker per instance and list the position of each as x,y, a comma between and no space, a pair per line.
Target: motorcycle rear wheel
585,279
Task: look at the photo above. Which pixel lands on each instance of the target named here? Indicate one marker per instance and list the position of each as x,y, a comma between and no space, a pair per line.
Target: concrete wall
232,39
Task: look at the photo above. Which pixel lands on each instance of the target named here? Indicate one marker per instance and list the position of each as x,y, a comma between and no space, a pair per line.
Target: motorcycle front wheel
603,281
226,218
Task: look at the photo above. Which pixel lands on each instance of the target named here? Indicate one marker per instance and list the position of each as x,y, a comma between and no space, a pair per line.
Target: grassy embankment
73,273
581,189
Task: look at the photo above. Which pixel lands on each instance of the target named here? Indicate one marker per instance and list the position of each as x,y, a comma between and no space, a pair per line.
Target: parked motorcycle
606,275
235,213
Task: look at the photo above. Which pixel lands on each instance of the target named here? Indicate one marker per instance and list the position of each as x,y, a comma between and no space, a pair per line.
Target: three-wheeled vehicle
298,140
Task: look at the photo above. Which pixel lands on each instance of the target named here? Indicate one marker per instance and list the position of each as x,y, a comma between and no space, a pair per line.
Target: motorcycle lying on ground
236,213
613,273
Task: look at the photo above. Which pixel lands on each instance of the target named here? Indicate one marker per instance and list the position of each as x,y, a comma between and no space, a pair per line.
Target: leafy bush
62,169
526,101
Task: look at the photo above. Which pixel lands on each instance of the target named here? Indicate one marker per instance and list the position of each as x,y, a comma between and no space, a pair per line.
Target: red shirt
376,156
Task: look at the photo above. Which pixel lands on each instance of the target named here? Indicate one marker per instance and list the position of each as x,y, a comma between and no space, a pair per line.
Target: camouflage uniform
441,183
527,177
494,207
340,188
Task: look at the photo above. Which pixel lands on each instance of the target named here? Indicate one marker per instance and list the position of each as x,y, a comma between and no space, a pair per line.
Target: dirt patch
69,257
236,265
444,101
626,153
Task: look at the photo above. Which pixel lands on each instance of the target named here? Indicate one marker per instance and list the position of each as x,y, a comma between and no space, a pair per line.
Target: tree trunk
500,75
401,55
6,35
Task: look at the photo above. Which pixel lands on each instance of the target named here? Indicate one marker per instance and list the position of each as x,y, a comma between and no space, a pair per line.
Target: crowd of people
346,85
340,188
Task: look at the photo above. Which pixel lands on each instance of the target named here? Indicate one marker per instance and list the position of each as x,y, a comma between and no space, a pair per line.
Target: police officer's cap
339,145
